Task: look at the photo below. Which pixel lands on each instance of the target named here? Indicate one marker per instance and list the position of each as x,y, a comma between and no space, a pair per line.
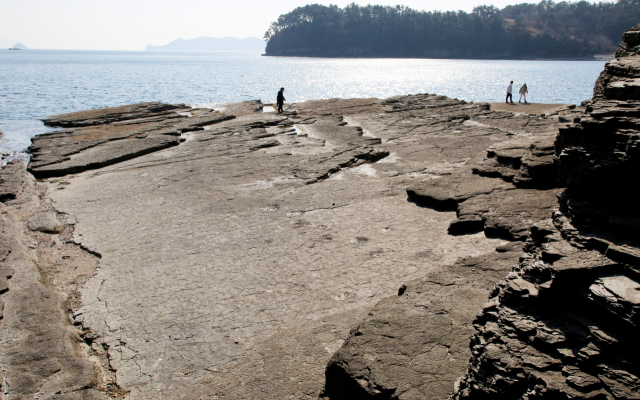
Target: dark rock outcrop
564,324
506,214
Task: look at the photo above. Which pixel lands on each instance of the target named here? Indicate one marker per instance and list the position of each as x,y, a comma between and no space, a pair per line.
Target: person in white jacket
509,95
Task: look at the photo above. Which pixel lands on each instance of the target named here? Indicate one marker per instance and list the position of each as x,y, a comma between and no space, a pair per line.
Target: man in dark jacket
281,100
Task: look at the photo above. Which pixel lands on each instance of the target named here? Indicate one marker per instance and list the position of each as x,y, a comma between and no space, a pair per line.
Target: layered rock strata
564,323
97,138
235,262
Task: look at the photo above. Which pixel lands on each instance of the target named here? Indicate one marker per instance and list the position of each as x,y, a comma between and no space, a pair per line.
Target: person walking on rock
523,92
509,91
280,100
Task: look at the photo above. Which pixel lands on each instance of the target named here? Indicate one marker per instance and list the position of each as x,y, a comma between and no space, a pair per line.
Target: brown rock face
564,324
413,345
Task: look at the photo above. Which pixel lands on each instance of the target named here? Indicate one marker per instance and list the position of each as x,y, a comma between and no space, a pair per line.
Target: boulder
45,222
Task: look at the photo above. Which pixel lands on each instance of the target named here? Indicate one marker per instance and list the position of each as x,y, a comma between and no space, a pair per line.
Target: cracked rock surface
236,262
564,323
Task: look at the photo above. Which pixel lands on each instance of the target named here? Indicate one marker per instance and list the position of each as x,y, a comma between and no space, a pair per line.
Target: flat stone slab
98,138
447,192
529,108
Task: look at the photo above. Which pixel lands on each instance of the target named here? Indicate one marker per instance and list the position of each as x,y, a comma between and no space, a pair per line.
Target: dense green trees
546,29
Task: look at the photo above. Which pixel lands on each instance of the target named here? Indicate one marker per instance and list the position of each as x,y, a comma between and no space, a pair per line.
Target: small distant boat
14,48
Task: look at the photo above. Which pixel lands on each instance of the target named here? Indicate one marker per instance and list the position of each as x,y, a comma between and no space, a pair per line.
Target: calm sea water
38,83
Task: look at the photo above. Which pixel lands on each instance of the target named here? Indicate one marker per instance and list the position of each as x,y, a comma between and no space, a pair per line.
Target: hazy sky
134,24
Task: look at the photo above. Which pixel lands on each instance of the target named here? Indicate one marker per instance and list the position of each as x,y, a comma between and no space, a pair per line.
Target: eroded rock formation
564,323
97,138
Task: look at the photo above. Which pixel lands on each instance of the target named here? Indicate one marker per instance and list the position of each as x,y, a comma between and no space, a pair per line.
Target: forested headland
543,30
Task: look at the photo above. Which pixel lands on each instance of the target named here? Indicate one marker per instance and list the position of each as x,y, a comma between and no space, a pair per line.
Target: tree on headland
546,29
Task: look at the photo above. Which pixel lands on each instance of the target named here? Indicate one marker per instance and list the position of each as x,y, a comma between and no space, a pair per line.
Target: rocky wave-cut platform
203,254
564,324
415,345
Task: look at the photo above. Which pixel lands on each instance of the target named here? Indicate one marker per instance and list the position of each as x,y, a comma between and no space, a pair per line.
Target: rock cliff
564,323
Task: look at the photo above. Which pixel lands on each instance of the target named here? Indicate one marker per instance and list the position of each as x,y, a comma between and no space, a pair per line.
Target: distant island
205,43
18,46
544,30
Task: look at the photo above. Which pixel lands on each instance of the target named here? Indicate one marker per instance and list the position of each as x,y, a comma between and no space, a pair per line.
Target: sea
35,84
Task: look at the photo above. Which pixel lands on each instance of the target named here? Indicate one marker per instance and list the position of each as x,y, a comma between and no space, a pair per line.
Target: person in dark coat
281,100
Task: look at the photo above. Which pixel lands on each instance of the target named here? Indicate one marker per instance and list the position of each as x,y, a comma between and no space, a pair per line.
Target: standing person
509,95
523,92
281,100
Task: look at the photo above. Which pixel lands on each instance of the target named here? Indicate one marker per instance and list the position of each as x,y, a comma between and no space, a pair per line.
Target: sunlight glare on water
38,83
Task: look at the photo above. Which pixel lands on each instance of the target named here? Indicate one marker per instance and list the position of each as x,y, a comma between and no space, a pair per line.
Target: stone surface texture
564,323
235,263
45,222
